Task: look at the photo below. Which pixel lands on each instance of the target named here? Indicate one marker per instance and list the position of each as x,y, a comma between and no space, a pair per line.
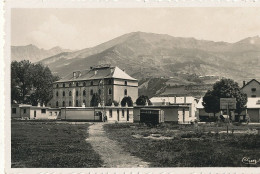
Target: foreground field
187,145
51,144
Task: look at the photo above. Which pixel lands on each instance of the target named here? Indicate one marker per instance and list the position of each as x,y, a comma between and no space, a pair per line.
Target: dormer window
253,89
63,85
84,83
109,81
70,85
91,83
57,85
125,83
77,84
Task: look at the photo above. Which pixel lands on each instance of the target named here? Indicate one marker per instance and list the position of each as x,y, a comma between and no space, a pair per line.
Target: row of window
91,92
123,113
85,84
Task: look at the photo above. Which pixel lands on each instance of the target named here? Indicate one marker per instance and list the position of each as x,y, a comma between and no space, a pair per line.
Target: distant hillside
154,55
33,53
149,56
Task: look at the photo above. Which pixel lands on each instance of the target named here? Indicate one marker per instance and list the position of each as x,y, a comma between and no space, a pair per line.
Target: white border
5,80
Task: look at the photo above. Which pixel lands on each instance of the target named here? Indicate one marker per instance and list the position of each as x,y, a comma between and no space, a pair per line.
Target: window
123,113
57,93
63,85
70,85
57,85
99,91
77,103
84,93
70,93
43,111
63,103
63,93
125,83
110,113
253,96
77,93
13,110
57,103
253,89
109,91
109,81
70,104
24,111
84,101
91,83
84,83
125,92
91,92
77,84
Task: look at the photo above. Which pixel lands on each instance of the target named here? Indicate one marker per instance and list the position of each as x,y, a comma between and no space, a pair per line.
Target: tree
31,83
109,103
225,88
127,100
142,100
95,100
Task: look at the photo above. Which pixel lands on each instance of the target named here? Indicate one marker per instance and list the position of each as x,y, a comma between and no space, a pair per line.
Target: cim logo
247,160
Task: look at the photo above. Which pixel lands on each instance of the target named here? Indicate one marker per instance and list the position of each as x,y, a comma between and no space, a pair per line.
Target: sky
83,28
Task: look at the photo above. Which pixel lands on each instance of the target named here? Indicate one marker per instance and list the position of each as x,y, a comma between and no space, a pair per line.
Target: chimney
244,83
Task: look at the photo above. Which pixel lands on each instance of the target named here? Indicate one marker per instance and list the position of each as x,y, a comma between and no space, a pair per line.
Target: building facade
252,88
109,83
24,111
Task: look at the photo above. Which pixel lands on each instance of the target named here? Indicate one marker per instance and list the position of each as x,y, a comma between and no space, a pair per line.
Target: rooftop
98,72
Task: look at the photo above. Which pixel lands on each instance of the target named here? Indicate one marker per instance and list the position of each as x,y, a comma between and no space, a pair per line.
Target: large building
77,88
252,88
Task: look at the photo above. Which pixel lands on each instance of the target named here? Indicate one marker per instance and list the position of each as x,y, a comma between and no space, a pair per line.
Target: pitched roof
97,73
250,82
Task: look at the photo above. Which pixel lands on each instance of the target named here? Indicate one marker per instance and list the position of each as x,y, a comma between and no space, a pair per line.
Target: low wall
79,114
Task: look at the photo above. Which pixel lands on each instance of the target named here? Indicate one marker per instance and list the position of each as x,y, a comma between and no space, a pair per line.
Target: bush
127,100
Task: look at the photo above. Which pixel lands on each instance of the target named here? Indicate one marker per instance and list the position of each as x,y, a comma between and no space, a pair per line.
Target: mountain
155,55
33,53
161,60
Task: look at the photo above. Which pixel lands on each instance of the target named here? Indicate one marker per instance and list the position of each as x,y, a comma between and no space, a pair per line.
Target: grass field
50,144
203,146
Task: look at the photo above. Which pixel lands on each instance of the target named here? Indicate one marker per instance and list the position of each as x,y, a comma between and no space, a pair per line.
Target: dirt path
111,153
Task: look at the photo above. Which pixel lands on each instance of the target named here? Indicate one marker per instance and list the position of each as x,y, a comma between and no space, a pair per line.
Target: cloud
53,32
